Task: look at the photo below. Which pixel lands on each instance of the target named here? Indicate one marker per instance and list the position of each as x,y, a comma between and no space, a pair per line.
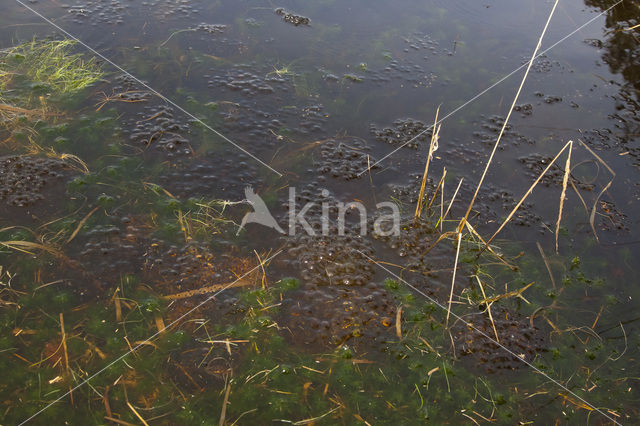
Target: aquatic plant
34,76
49,62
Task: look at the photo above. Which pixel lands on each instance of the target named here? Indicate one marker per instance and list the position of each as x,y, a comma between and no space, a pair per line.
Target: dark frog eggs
346,158
24,178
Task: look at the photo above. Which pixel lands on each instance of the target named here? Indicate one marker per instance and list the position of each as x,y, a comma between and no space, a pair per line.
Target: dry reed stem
81,223
118,97
208,289
64,343
440,238
488,309
506,121
81,167
137,414
584,204
66,354
592,217
514,293
470,418
565,179
118,305
17,110
442,200
455,194
264,273
440,184
105,400
70,160
24,245
432,144
488,247
159,322
225,401
453,280
118,421
529,191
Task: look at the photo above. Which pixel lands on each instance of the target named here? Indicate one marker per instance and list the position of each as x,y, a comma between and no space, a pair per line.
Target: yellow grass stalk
488,247
81,223
565,179
529,191
453,280
208,289
438,188
506,120
488,309
592,217
432,147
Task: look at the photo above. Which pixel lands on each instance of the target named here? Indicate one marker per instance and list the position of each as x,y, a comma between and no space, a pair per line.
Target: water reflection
622,43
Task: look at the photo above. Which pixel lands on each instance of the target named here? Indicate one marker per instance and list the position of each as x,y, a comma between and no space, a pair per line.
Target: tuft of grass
50,62
34,71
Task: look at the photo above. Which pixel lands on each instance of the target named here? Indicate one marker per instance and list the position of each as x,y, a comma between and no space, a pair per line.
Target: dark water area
130,292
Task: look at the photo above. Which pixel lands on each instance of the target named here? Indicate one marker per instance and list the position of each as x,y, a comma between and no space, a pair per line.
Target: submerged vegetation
50,63
36,76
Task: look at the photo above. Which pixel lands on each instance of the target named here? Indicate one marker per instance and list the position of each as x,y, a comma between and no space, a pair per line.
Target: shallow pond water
137,288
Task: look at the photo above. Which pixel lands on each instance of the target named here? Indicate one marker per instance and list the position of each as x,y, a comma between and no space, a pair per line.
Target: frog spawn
535,165
243,79
23,179
333,260
345,158
292,18
338,299
408,133
211,178
129,90
247,121
489,207
476,338
491,129
187,267
109,251
324,253
98,12
157,127
332,315
408,194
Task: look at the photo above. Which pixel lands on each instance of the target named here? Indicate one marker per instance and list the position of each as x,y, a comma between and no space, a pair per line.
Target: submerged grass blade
546,264
25,246
81,223
592,217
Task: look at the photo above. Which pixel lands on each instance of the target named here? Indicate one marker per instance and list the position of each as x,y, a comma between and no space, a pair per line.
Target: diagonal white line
121,357
160,95
443,307
491,87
